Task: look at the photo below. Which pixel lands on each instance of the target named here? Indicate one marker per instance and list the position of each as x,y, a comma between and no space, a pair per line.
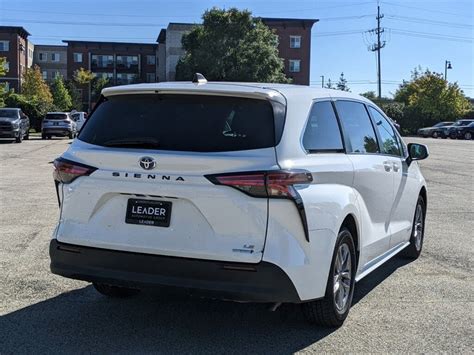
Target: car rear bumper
262,282
57,131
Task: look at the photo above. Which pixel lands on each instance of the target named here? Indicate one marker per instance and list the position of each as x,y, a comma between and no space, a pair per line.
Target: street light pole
322,81
447,65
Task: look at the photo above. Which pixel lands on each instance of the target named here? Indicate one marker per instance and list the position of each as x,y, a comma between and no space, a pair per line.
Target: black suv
14,124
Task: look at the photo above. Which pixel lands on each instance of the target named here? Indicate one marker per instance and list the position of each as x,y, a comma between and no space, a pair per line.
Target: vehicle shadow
167,321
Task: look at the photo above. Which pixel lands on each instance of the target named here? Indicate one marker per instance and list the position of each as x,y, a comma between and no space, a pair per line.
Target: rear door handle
387,166
396,167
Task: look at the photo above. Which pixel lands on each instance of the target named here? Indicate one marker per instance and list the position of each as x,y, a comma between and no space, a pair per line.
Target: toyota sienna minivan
240,191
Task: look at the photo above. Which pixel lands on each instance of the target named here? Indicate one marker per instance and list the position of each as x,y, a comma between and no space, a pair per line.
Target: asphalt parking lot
420,306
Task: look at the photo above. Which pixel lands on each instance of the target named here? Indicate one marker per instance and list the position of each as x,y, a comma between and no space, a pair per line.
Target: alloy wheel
418,230
342,278
468,136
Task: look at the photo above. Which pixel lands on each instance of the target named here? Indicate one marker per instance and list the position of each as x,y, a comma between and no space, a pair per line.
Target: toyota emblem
147,163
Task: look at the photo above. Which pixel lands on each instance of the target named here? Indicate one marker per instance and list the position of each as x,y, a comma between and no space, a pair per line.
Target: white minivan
241,191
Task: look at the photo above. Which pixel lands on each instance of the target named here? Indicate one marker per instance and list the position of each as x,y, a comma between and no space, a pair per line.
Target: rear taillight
66,171
269,184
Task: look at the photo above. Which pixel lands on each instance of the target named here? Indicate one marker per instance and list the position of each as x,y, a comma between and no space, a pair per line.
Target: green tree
231,45
371,95
329,84
98,84
61,97
429,99
76,97
83,76
3,72
342,84
34,87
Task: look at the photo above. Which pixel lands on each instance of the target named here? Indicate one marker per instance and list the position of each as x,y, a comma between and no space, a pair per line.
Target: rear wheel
71,135
27,135
332,310
435,134
452,135
43,136
19,138
115,291
468,136
413,251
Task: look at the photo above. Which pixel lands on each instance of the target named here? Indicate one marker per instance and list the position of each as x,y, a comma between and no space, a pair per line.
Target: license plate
148,212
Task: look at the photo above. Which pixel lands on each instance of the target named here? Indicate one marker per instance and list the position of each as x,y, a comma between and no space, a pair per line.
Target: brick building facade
15,47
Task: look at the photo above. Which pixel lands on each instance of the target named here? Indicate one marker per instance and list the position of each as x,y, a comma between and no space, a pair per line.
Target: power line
84,23
431,35
425,9
428,21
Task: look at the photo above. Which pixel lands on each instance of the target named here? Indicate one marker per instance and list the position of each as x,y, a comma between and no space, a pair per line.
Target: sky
422,33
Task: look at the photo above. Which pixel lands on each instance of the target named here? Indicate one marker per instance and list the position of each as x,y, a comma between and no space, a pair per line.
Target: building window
126,78
30,53
6,86
42,57
102,61
44,73
55,57
295,41
295,65
150,59
150,77
4,46
77,57
6,66
127,61
105,75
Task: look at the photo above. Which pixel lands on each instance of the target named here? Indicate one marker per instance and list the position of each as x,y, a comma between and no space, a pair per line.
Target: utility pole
377,47
322,81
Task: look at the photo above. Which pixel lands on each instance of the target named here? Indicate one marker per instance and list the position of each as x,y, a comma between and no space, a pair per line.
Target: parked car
80,118
435,131
58,124
14,124
247,192
452,131
466,132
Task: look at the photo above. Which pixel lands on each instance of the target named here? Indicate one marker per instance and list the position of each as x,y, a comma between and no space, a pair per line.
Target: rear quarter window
322,131
198,123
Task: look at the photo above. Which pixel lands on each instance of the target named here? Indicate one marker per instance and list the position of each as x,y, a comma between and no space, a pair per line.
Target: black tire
27,135
19,138
452,135
468,136
115,291
435,134
43,136
325,312
49,137
413,251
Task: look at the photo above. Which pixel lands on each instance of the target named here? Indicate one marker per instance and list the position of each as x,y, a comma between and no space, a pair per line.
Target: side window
388,139
357,127
322,130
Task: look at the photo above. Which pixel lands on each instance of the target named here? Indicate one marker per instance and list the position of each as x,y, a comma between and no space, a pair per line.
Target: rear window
8,113
199,123
56,116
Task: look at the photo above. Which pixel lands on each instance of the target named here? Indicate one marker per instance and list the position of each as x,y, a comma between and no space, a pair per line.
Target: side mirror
417,152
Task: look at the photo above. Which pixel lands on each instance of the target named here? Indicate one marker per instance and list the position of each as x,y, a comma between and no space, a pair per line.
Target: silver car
59,124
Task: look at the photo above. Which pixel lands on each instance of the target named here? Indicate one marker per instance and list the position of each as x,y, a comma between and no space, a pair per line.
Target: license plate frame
153,213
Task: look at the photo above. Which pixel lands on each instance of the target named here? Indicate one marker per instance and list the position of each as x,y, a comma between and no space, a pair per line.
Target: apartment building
52,60
18,51
294,46
120,63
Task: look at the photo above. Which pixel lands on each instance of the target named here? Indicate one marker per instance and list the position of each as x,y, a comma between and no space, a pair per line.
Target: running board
374,264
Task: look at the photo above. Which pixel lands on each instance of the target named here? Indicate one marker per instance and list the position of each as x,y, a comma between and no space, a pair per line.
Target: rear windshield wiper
144,142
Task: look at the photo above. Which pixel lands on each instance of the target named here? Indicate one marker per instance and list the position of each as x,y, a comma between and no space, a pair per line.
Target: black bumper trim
262,282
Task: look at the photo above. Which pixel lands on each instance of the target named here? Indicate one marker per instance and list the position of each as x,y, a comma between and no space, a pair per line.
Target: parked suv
452,131
80,118
14,124
248,192
59,124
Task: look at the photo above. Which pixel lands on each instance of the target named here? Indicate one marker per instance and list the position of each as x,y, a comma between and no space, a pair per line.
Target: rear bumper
57,131
262,282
